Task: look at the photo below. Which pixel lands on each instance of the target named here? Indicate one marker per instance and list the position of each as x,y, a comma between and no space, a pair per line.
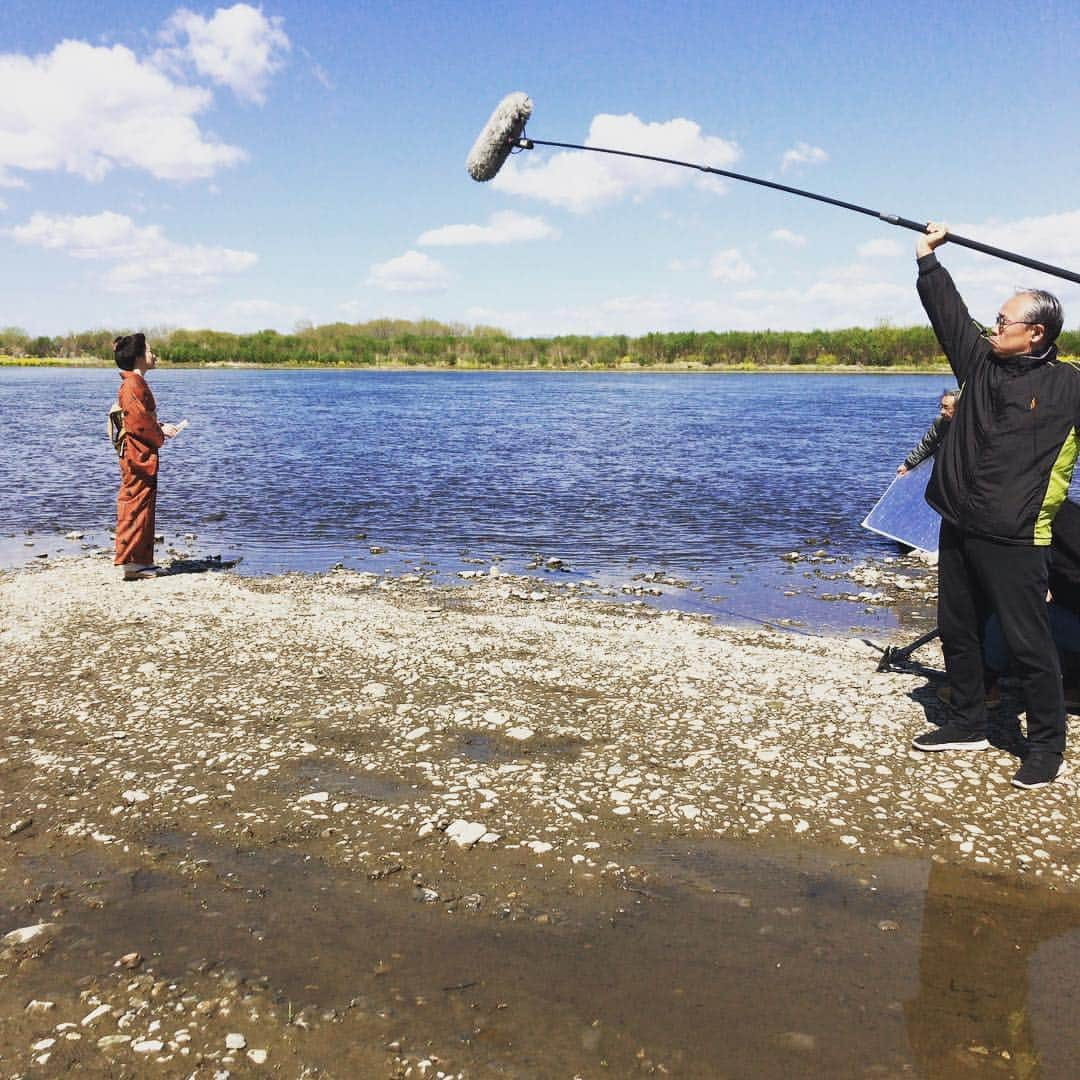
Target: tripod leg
893,655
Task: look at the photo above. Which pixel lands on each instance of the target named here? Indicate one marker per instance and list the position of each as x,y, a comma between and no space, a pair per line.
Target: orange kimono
138,473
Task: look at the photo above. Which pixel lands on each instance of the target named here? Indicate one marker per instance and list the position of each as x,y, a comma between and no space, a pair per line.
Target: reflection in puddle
482,748
489,748
710,960
341,780
997,980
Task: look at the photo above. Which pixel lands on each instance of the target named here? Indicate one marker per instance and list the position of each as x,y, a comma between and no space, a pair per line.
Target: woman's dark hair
128,349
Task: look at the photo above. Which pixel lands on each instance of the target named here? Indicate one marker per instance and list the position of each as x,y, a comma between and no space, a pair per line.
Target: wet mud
335,827
703,959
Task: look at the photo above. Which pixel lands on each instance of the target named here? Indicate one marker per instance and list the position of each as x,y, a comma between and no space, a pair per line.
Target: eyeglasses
1002,323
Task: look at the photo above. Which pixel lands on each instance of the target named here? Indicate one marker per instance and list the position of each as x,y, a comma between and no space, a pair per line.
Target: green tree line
427,343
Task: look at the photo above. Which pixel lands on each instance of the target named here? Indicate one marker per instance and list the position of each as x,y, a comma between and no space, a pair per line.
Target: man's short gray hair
1045,309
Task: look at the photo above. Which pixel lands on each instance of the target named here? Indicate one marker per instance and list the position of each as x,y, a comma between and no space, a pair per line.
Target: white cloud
730,266
679,266
884,247
786,236
86,109
141,254
1052,238
803,154
581,181
505,227
239,47
855,294
412,272
247,316
986,281
845,297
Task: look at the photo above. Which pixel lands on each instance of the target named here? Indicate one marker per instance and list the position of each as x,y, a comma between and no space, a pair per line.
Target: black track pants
977,577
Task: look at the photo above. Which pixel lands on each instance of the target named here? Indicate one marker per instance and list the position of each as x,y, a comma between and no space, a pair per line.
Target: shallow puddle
491,748
706,960
340,779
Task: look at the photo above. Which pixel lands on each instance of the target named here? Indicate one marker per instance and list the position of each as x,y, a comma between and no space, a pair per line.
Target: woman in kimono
143,436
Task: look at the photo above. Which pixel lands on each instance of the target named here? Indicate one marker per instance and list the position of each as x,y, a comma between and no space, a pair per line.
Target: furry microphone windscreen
501,132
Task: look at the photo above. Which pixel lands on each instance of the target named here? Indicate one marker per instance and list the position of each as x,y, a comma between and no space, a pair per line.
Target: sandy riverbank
483,753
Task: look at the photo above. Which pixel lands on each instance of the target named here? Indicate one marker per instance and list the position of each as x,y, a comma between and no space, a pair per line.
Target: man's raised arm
960,338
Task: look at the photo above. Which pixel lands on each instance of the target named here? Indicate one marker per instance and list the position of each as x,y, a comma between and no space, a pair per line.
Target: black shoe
1039,769
949,737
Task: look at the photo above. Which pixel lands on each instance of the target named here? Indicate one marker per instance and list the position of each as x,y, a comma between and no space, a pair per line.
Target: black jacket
929,443
1005,468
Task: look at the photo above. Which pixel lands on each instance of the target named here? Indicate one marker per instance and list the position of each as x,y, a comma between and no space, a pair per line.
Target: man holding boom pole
998,481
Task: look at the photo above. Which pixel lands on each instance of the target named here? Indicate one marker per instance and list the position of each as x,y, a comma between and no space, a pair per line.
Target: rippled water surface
698,476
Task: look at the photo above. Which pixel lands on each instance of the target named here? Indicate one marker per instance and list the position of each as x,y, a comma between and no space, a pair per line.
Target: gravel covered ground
482,748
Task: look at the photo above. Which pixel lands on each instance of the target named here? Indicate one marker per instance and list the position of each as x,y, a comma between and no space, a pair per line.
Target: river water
706,479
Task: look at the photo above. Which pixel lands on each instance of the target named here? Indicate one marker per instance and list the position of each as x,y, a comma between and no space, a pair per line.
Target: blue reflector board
902,513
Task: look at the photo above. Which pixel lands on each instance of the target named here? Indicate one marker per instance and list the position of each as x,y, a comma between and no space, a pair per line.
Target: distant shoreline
621,369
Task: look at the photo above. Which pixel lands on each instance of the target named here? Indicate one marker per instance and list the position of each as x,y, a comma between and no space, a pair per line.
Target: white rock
107,1041
375,690
520,733
541,847
94,1015
147,1046
43,1044
235,1041
36,1007
135,795
315,797
689,812
25,934
417,733
258,1056
465,833
798,1040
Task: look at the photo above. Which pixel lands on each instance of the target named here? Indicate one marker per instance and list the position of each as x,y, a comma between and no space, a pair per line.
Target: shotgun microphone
499,136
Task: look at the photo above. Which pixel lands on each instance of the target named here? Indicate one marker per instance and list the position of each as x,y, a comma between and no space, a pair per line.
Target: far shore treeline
427,343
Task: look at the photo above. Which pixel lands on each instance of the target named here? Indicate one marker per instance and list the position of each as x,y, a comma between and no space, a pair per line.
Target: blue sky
243,167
